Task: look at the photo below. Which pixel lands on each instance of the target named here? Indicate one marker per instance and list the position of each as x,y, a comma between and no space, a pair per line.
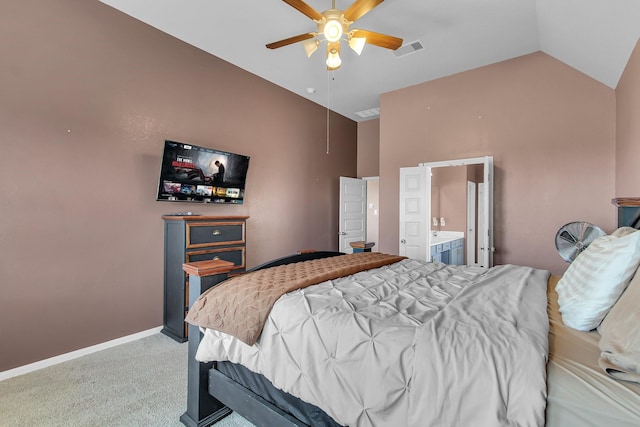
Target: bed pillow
620,336
597,277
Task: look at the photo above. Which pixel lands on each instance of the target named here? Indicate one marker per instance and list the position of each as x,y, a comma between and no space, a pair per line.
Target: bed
525,368
580,393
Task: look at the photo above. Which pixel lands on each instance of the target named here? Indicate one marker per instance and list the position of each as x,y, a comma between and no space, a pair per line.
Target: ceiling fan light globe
332,30
310,46
357,44
333,59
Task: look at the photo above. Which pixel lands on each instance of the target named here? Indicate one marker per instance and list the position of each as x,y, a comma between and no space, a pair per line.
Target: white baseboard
75,354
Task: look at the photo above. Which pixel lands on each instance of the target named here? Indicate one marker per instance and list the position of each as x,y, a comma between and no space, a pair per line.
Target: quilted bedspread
240,305
408,344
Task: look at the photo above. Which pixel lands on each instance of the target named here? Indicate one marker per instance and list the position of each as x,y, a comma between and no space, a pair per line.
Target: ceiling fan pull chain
331,75
327,131
328,98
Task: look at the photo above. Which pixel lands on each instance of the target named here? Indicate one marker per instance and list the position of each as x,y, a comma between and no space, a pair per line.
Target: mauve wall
368,148
88,97
550,129
628,129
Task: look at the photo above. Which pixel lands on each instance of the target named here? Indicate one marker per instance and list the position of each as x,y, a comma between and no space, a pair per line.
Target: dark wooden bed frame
211,395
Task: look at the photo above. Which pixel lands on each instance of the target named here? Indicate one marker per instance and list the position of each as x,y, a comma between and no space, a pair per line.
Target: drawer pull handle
217,232
215,258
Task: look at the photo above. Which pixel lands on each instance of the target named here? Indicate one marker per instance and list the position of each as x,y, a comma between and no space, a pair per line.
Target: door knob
403,241
342,233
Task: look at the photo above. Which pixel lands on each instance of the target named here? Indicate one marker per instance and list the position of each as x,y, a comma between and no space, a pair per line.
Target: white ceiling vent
408,49
367,114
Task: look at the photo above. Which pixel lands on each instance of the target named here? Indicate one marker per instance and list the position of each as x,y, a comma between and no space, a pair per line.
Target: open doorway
359,207
423,221
457,196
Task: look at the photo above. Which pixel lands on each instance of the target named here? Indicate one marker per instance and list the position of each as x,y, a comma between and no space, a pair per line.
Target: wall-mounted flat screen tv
201,175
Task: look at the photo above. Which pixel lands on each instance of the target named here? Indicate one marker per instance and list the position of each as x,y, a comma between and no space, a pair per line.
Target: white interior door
485,258
488,210
415,208
482,237
471,223
353,212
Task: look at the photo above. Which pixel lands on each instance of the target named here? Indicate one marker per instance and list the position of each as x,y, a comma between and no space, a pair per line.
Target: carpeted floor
142,383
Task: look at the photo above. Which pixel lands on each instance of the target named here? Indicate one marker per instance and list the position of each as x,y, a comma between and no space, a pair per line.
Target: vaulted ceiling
595,37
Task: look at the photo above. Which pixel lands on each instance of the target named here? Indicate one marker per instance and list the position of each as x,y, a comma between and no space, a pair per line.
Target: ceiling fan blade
382,40
291,40
305,9
359,8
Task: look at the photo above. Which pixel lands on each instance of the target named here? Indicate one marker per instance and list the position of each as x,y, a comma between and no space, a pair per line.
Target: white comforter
409,344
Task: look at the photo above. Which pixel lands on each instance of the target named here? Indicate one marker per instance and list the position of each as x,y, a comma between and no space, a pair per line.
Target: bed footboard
202,408
211,395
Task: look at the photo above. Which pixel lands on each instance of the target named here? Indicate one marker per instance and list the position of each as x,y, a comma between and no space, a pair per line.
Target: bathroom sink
445,236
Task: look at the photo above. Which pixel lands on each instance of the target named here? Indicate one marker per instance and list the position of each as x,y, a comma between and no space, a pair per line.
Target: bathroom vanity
447,247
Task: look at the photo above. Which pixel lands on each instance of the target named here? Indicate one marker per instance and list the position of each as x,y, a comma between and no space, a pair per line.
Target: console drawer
214,233
234,255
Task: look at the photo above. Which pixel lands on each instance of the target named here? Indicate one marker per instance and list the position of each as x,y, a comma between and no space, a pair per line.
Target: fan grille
574,237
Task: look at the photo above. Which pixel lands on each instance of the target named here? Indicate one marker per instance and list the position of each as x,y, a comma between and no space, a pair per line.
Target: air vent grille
408,49
367,114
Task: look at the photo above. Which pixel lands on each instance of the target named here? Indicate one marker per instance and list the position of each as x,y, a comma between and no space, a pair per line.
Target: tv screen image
190,173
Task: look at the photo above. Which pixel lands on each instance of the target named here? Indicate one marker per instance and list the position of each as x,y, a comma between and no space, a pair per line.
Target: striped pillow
597,277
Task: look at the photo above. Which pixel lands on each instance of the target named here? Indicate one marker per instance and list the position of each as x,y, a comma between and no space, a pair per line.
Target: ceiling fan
333,24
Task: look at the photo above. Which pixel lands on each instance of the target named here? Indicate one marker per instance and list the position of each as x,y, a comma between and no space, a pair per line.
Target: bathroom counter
445,236
447,247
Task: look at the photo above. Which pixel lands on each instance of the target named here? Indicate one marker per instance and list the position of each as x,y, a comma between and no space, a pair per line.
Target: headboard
628,211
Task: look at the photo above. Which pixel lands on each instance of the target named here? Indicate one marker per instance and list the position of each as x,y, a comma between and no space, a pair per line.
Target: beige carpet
142,383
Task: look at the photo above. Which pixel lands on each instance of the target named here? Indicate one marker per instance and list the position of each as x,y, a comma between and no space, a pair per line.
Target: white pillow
597,277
